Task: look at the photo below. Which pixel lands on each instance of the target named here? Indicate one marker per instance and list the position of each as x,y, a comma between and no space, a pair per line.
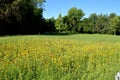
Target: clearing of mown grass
50,57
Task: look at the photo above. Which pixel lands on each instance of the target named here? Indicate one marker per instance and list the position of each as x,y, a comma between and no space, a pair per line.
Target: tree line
75,22
26,17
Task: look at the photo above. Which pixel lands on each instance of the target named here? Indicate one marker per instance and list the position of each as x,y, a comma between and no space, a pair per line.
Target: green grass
59,57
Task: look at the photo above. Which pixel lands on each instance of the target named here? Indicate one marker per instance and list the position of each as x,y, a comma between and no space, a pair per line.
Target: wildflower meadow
54,57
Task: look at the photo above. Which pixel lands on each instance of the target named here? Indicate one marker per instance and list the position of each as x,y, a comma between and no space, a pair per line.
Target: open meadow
59,57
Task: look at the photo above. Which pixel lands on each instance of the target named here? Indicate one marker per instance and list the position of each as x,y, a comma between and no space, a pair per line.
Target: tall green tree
102,23
60,24
112,15
99,23
50,25
86,26
93,22
74,17
114,25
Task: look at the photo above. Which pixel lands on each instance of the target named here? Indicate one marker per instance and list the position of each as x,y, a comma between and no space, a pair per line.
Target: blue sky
54,7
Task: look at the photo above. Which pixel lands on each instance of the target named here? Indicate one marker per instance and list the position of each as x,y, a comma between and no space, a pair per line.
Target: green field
57,57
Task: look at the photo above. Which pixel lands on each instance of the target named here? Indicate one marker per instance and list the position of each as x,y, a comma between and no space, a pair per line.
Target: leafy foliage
20,16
